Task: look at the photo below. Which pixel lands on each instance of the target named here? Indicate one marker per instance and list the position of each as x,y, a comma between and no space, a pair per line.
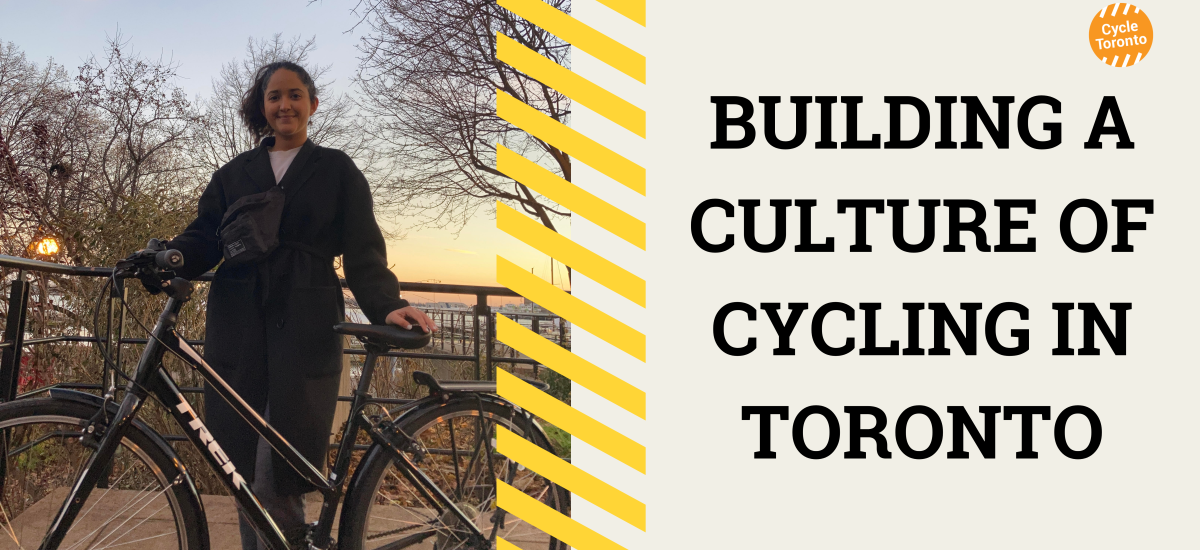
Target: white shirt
280,160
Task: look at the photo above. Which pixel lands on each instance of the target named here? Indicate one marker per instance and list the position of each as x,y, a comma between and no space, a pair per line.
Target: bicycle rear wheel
144,505
457,450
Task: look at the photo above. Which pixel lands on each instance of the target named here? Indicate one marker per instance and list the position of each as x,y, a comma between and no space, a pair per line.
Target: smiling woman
281,105
270,320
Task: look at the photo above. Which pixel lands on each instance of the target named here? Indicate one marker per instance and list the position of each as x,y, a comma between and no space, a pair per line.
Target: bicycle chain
395,531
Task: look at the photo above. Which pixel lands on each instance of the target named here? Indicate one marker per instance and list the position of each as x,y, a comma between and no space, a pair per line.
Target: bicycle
428,479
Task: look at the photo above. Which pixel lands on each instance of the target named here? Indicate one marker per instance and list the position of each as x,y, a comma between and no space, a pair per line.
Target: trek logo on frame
213,447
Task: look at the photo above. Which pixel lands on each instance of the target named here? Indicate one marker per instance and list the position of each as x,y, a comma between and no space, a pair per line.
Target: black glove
152,248
150,287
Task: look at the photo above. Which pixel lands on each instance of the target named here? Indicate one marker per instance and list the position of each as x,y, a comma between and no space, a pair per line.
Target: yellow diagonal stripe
549,520
581,36
592,265
571,308
633,9
580,425
571,478
571,197
574,143
572,366
580,89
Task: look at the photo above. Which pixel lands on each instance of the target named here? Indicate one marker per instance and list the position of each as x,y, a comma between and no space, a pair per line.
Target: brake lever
132,264
154,267
124,268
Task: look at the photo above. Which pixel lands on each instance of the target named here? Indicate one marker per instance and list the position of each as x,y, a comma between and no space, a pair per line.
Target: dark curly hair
253,99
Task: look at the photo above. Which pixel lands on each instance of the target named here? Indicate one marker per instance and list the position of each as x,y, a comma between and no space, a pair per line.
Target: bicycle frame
151,379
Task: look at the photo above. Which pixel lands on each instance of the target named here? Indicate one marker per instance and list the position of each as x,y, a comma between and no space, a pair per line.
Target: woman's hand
408,316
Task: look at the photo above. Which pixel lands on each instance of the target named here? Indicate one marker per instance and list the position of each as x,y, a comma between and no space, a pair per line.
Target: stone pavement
144,523
136,527
222,515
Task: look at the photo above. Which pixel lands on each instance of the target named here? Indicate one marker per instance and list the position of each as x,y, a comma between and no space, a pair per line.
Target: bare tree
428,80
140,155
33,102
99,160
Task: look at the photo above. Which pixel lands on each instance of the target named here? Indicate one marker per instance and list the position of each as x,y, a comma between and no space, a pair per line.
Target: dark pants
286,509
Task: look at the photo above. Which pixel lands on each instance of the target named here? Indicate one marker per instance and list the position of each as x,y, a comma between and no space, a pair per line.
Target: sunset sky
201,36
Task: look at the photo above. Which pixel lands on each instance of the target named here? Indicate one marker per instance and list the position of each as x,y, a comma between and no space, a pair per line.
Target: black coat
269,326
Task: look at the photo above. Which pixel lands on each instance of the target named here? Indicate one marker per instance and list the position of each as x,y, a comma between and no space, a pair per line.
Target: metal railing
483,356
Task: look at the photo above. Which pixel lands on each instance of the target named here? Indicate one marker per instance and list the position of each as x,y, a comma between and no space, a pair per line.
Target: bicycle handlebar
155,266
155,255
169,259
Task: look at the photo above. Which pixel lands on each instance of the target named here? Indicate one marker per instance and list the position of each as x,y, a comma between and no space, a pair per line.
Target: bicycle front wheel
456,448
143,504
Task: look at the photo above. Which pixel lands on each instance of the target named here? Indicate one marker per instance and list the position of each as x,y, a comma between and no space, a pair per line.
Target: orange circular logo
1121,35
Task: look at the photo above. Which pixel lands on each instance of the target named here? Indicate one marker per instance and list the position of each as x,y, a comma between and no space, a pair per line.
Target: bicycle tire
147,503
382,508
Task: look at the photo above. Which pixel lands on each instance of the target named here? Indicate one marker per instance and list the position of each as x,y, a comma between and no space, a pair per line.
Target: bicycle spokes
135,508
458,453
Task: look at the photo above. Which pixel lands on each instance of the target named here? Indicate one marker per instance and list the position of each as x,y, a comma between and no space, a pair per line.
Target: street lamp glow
47,246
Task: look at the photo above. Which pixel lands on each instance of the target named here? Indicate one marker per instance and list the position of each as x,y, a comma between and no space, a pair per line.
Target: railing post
490,334
14,331
123,295
477,311
114,332
562,333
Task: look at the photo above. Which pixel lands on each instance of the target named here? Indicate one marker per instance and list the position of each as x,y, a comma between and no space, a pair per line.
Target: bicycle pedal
305,541
299,537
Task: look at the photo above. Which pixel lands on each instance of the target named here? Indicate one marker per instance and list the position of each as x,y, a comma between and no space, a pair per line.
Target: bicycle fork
95,468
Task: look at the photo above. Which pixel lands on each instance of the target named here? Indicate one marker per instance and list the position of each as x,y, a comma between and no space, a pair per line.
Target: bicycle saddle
451,386
385,335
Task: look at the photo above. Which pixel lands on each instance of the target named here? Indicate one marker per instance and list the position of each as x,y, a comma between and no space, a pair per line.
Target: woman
269,325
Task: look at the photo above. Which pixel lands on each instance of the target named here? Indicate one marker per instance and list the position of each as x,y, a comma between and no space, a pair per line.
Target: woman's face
287,105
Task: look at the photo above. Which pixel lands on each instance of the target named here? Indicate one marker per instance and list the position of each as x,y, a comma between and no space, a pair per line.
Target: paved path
147,519
143,523
222,515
